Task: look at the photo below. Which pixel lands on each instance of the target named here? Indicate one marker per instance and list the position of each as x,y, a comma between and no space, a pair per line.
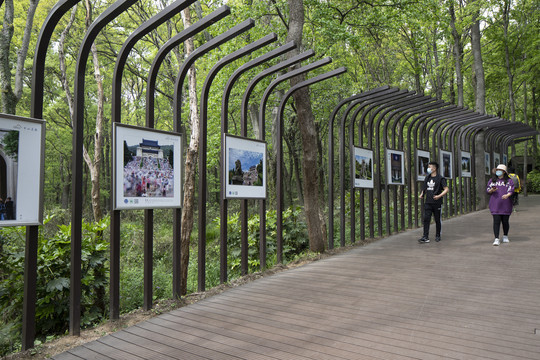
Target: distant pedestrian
517,186
500,188
433,190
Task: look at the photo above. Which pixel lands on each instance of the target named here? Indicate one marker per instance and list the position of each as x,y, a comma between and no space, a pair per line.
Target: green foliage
53,280
295,239
533,181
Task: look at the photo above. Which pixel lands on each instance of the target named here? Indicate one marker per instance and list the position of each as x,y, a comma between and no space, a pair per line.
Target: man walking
433,190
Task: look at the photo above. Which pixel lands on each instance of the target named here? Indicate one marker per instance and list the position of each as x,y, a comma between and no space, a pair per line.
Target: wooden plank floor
461,298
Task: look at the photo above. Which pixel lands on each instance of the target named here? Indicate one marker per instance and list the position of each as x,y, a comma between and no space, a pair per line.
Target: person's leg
438,225
496,228
428,210
496,225
505,219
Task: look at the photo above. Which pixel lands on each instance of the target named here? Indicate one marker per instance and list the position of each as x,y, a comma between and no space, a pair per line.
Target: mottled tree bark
190,163
306,124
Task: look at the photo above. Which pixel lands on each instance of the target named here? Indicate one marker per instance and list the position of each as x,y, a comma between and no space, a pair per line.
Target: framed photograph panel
505,159
422,160
465,164
147,168
245,168
22,153
496,159
395,167
363,167
446,164
487,163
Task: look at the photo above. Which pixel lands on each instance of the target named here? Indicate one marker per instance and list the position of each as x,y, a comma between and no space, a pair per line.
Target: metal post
150,112
279,160
224,129
244,109
77,164
262,111
203,146
141,31
36,111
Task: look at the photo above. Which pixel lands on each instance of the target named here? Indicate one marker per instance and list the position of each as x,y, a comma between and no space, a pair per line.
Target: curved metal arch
77,174
197,53
396,105
402,121
203,145
176,40
379,96
223,201
43,41
243,115
358,99
374,110
36,111
414,106
150,119
116,113
279,160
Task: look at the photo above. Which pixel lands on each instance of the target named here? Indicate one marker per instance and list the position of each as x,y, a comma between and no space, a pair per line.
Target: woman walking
500,188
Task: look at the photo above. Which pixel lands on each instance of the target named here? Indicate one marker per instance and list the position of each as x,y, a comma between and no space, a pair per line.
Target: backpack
517,183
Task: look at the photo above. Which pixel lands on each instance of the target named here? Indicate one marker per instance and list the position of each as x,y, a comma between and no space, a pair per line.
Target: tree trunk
9,96
506,20
190,165
480,93
458,54
308,133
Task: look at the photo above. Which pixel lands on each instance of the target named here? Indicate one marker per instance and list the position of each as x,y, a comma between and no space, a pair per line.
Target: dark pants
497,219
434,209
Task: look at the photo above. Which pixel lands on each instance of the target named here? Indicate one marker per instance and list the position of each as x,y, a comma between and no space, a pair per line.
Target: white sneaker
497,242
505,239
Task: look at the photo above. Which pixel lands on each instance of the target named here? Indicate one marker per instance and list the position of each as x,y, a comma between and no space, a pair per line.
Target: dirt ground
59,345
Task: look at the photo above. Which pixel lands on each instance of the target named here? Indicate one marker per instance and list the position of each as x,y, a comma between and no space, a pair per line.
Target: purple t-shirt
498,205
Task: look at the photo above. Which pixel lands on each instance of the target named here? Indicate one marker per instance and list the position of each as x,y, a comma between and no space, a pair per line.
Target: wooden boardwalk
461,298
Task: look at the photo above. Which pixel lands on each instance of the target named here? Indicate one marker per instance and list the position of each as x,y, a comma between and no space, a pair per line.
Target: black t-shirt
433,185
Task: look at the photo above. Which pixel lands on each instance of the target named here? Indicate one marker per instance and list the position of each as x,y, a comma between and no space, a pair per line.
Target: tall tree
190,166
308,132
458,53
476,45
9,94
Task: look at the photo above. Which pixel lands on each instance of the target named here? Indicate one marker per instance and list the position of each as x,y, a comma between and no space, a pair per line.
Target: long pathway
461,298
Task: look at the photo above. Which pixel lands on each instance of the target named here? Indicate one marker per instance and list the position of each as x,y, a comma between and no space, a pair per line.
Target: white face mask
498,173
429,171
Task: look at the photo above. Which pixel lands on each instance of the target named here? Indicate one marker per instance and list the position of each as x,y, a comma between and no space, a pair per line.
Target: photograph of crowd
148,169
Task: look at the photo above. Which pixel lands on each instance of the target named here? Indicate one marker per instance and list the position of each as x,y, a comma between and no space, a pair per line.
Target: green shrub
533,181
53,280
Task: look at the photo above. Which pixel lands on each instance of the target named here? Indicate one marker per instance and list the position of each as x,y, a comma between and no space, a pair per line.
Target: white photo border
28,197
466,155
423,154
442,171
122,132
366,153
487,163
389,178
234,191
